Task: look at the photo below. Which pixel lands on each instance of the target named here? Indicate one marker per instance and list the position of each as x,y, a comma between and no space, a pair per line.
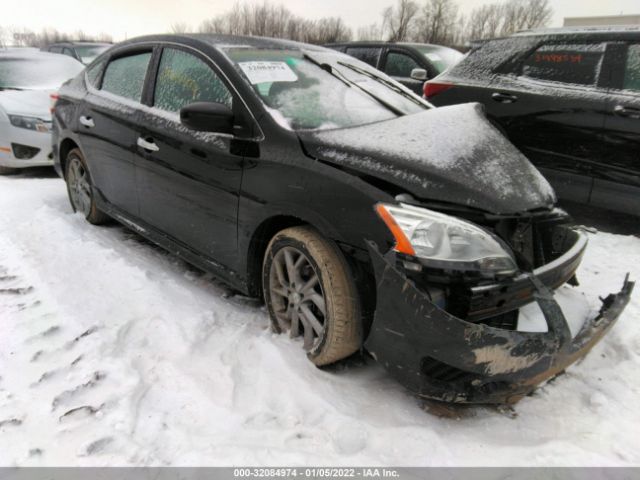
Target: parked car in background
408,63
28,78
363,216
84,52
569,99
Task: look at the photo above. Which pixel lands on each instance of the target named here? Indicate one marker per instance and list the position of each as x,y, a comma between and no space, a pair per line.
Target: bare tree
485,21
179,27
507,17
265,19
398,21
438,22
370,32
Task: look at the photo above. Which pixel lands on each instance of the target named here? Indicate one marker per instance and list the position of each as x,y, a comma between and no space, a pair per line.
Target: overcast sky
128,18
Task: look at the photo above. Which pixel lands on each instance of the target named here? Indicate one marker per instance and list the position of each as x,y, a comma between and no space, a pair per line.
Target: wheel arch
66,146
260,239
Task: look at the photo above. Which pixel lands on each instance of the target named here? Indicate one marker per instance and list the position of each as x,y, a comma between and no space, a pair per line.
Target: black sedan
365,218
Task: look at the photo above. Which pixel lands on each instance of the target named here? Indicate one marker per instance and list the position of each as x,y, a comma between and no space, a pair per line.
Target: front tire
80,188
310,291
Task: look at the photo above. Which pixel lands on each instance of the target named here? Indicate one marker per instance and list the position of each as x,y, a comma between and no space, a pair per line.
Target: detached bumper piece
439,356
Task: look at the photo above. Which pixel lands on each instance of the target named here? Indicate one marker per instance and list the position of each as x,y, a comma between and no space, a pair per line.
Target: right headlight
445,242
30,123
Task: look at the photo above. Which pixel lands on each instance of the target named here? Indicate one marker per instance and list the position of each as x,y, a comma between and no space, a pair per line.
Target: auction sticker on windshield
263,72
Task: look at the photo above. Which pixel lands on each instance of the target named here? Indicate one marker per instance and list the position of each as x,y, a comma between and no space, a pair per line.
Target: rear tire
80,188
327,314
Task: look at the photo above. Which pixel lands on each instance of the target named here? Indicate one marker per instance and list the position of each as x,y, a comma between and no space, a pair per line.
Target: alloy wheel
297,296
79,186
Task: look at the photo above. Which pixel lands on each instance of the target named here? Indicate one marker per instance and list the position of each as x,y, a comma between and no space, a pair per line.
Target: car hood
33,103
450,154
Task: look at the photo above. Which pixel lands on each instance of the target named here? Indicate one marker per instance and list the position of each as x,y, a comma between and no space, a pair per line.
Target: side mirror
207,117
419,74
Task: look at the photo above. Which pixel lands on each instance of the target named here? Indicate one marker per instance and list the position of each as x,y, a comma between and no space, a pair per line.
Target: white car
28,78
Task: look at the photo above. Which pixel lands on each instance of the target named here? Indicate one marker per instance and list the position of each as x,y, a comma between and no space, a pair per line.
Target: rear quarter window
572,64
93,73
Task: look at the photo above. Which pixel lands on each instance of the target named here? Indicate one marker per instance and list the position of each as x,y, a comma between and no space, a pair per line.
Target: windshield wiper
327,68
332,71
383,81
10,88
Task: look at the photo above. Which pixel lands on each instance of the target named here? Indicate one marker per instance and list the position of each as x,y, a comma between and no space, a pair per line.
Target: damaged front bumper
439,356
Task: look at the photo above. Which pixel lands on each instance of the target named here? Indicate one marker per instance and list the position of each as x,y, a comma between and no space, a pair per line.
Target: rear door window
183,79
564,63
632,69
369,55
125,76
399,65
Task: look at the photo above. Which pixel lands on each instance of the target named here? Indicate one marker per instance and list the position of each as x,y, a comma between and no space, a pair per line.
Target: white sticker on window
434,57
264,72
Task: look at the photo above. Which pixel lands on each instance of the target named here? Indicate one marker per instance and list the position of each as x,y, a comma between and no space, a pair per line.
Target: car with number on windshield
365,218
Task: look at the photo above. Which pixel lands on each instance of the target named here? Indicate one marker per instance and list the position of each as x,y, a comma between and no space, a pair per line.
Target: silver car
28,79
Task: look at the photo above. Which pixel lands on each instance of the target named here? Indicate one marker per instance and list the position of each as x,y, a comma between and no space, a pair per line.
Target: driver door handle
504,97
148,145
87,121
623,111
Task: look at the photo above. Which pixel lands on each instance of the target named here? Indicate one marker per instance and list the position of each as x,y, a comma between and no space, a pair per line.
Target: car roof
32,54
79,43
226,41
613,31
364,43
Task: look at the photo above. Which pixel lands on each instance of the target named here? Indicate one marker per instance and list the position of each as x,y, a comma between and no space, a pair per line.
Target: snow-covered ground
113,352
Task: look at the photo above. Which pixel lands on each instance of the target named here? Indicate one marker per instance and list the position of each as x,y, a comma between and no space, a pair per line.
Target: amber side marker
403,245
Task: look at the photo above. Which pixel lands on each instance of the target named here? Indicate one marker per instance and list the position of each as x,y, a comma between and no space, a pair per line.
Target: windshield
441,58
317,90
36,71
88,53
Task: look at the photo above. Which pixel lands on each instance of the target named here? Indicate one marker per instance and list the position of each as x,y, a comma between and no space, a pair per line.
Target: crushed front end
451,335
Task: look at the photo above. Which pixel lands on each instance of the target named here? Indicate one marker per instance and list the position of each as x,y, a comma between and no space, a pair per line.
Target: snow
113,352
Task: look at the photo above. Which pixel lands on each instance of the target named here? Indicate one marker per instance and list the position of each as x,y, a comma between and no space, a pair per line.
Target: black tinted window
368,55
632,70
125,76
184,79
400,65
577,64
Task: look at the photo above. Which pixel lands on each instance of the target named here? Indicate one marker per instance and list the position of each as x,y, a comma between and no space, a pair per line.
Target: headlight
30,123
445,242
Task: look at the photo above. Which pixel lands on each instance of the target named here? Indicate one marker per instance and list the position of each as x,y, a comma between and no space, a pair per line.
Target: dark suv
84,52
569,99
408,63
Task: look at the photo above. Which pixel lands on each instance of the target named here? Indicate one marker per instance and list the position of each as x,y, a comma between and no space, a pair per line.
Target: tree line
425,21
23,37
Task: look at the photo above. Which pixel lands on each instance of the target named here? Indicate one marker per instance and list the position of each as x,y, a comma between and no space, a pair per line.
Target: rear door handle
504,97
87,121
623,111
148,145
